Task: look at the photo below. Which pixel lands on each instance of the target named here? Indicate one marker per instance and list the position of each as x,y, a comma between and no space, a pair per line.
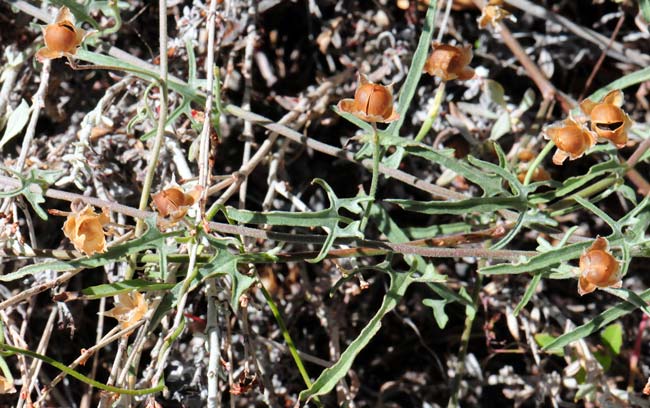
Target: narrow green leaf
471,205
326,381
16,122
415,70
544,339
612,314
539,262
530,291
113,289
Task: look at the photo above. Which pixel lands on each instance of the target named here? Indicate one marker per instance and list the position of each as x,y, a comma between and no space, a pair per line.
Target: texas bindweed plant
180,248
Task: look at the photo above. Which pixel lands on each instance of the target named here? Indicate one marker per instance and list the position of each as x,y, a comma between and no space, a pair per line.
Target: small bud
598,268
572,140
371,103
608,119
449,62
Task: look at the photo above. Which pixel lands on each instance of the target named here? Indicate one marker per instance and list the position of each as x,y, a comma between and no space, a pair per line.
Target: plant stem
78,375
470,315
538,160
376,159
286,335
433,113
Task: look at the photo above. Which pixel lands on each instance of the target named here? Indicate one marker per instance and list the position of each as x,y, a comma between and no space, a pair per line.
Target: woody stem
376,158
538,160
433,113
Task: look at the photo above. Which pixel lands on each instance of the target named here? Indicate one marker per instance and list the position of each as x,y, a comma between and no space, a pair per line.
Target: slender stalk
79,376
433,113
376,159
538,160
470,315
287,336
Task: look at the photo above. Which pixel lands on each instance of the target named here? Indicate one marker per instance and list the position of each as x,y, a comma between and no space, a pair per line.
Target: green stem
376,159
286,335
79,376
538,161
470,315
433,113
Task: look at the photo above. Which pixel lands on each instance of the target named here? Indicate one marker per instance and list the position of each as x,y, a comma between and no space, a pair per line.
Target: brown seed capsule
173,202
608,119
598,268
572,140
449,62
61,37
371,103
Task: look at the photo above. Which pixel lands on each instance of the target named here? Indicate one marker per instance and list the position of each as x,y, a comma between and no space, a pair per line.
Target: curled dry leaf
571,138
173,202
372,102
61,37
449,62
85,229
129,309
608,119
493,13
598,268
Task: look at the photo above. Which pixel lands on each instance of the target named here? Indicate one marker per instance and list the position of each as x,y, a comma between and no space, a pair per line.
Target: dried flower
173,202
85,229
449,62
493,13
572,140
598,268
371,103
608,119
129,309
6,386
62,38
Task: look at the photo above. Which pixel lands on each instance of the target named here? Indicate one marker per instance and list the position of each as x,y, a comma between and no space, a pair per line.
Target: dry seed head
608,120
371,103
572,140
61,37
598,268
449,62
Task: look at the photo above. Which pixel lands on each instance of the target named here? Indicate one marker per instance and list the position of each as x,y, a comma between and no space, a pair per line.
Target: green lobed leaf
490,183
438,308
152,238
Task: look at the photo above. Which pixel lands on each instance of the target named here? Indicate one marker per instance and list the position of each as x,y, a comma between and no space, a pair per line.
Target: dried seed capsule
449,62
598,268
173,202
572,140
61,37
608,119
371,103
493,13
